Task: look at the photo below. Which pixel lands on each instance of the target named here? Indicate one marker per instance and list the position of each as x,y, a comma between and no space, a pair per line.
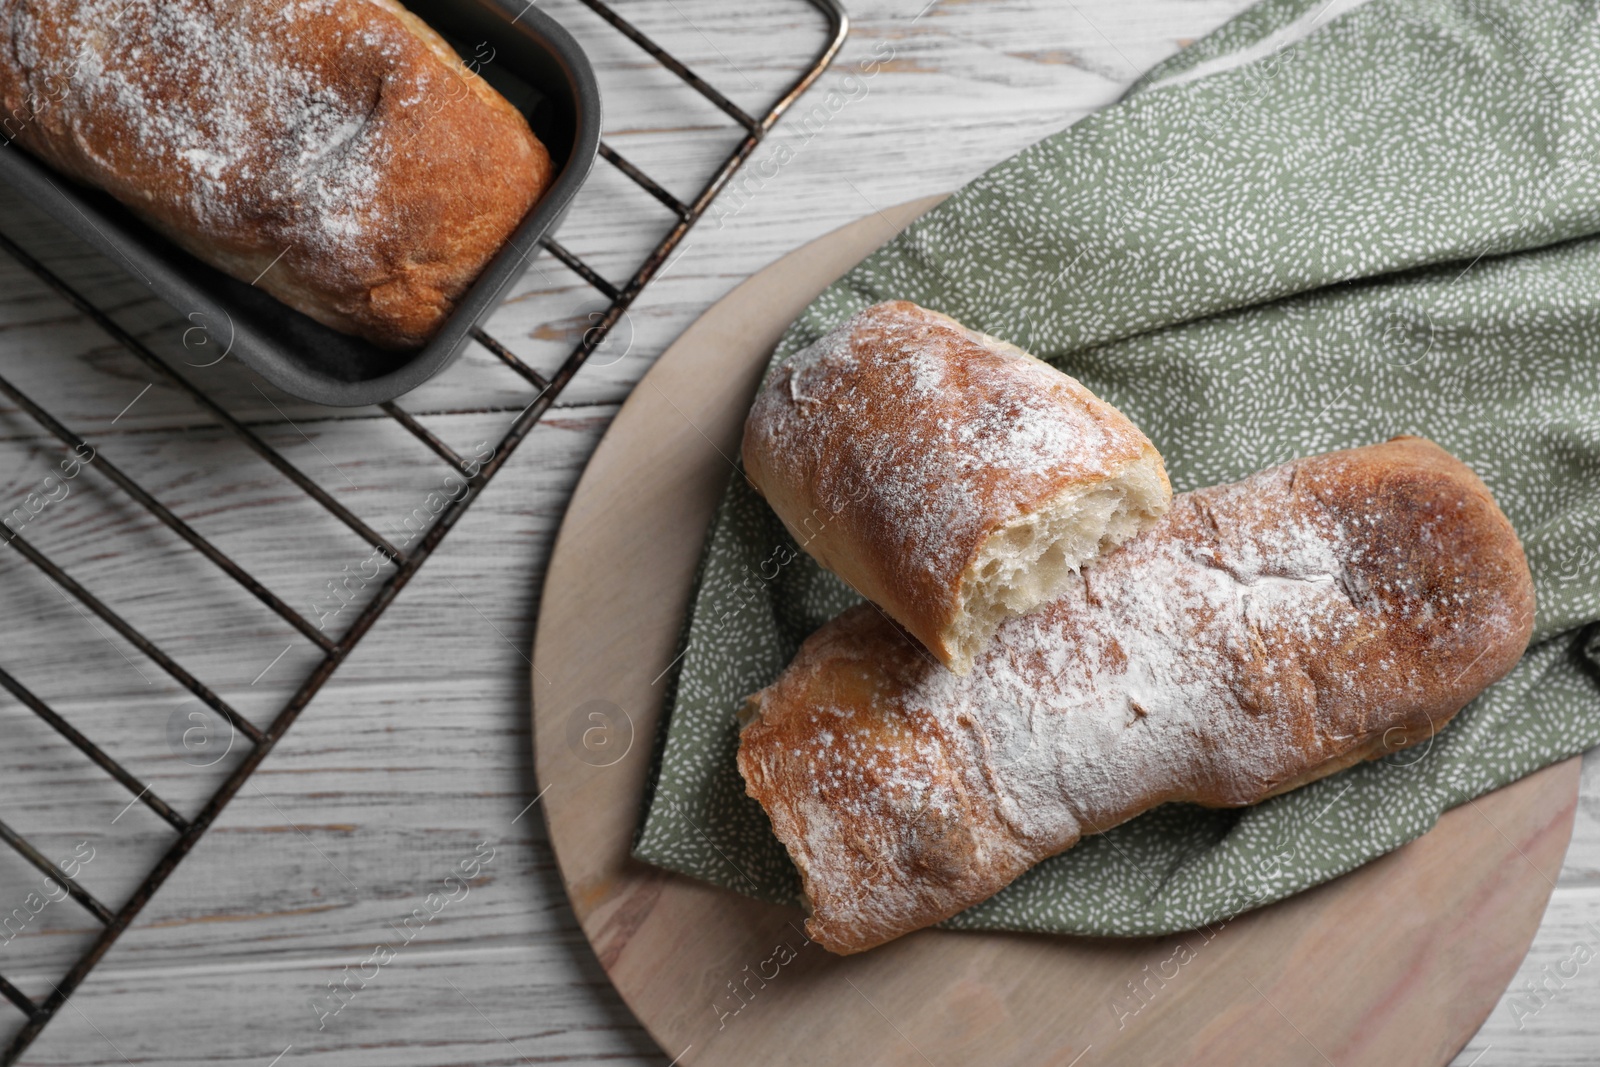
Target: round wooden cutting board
1396,963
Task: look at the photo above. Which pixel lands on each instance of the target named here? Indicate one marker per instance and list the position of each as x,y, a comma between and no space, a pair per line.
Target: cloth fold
1302,233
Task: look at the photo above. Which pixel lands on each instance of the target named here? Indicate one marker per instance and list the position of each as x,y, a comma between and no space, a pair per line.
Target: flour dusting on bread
948,476
1259,636
337,153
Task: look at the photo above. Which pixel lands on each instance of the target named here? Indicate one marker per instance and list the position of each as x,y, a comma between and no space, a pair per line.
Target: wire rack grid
407,561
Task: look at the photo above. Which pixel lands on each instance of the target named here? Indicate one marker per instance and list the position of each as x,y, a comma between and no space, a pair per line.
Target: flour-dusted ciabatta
336,153
949,477
1260,636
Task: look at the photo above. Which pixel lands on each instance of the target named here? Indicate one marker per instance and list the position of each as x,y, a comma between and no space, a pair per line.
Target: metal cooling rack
116,920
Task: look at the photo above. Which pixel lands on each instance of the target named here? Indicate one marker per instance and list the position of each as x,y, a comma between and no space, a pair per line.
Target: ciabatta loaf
1260,636
336,153
948,476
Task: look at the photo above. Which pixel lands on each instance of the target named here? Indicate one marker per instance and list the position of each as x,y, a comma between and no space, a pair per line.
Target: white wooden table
416,756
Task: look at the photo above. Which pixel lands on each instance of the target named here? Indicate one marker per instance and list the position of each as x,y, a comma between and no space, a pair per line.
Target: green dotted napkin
1302,233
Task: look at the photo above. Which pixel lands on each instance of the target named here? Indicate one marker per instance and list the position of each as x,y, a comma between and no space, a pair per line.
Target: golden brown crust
896,445
336,153
1259,636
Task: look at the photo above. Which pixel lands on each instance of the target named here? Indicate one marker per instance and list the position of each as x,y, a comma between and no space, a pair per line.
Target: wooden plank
425,1006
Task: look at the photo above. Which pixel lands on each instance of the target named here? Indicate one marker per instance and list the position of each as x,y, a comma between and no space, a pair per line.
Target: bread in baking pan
1261,635
335,153
948,476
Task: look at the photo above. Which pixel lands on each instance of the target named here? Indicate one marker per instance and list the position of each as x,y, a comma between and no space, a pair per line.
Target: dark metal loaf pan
534,63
